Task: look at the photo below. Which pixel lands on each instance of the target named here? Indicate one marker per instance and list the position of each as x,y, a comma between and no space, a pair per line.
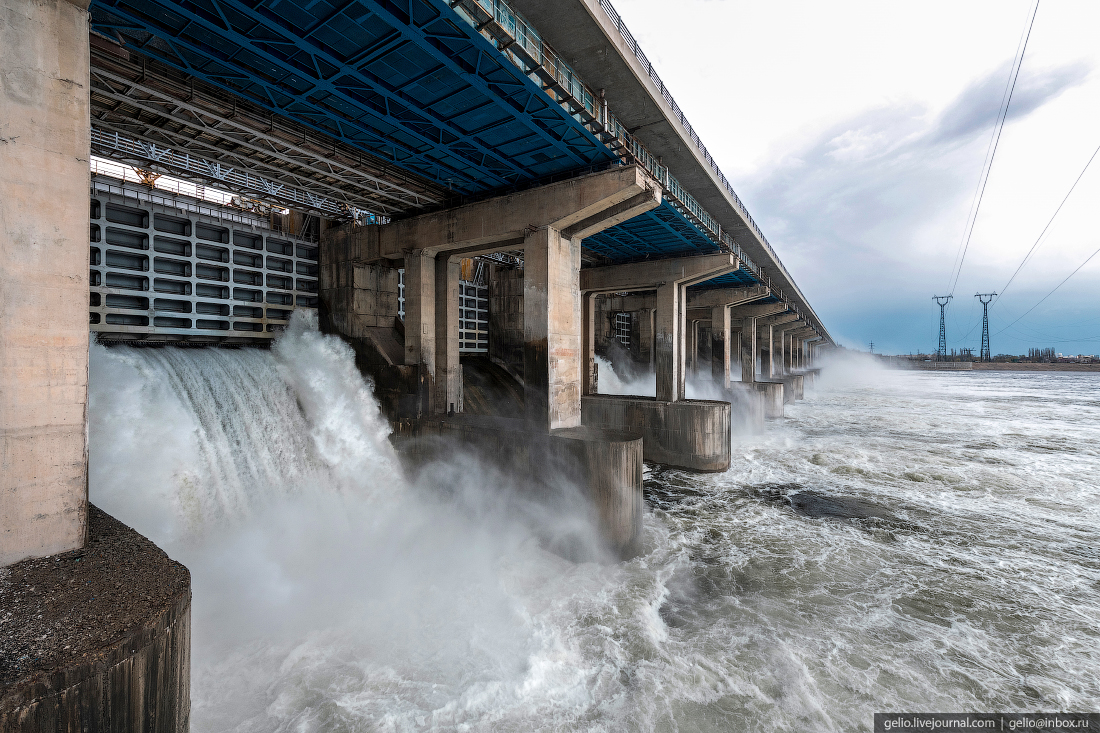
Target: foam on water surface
901,541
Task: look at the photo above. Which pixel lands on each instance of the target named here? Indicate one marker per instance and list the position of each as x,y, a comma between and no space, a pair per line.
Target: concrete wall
44,179
506,317
358,293
693,434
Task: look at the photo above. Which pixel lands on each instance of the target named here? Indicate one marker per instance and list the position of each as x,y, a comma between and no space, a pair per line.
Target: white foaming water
331,594
644,384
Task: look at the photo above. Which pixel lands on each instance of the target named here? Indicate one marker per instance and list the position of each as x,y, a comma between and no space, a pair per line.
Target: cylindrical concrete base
98,639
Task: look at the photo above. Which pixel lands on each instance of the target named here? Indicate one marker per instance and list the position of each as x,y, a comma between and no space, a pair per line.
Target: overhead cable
1006,101
1052,291
1040,238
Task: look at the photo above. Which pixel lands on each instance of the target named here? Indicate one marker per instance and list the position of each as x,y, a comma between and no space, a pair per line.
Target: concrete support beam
669,326
765,310
44,178
578,207
551,330
670,278
720,345
448,374
727,296
420,328
646,333
638,276
588,344
748,349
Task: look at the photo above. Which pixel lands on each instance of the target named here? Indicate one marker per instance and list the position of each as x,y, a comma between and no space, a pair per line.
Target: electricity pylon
941,301
985,299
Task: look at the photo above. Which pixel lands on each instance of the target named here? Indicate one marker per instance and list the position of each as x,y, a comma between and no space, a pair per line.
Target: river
900,541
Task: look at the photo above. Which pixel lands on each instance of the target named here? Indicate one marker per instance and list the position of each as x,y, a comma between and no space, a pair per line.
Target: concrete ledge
773,397
605,464
692,434
97,639
792,387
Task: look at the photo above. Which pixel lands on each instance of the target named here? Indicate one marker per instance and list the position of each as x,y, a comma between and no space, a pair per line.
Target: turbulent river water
900,541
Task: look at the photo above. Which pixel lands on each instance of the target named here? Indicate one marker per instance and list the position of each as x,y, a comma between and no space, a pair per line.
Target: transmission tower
941,301
985,299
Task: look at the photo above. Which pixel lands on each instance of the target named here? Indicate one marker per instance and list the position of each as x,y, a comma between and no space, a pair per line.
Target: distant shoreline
1011,367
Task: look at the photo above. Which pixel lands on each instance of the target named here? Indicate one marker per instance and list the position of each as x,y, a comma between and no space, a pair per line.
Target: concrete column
779,341
748,349
668,341
720,345
693,354
767,363
551,329
448,369
44,180
420,312
588,345
646,335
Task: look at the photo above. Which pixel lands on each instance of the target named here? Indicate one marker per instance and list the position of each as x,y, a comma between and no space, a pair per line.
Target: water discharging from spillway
900,541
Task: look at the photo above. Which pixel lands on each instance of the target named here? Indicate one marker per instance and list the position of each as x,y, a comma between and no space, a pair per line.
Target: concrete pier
96,618
773,395
691,434
44,154
97,639
605,465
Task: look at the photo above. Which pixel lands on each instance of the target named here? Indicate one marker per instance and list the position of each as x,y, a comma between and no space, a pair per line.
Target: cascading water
901,541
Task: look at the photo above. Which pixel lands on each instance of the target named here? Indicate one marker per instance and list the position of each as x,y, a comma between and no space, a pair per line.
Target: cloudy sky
856,132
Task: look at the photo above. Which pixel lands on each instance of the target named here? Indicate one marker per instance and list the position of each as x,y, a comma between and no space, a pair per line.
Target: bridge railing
524,47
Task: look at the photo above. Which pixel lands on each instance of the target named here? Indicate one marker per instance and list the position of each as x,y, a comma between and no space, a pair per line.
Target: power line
1052,291
1040,238
1017,62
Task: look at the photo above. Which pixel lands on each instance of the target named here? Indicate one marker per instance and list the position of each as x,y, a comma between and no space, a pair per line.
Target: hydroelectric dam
482,201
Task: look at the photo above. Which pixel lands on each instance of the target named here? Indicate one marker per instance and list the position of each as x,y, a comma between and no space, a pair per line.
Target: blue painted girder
662,232
407,81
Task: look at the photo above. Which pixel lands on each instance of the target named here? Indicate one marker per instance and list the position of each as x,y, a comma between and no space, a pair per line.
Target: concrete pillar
44,180
551,329
768,367
693,353
646,335
748,349
780,341
668,340
588,345
448,369
420,312
720,345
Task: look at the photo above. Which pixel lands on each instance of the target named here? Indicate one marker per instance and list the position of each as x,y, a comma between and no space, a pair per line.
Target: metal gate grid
622,328
163,270
473,317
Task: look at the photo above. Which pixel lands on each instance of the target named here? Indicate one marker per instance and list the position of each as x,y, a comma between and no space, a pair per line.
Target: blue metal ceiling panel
406,80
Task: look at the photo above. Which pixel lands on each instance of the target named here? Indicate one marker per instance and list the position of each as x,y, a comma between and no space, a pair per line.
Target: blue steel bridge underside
407,81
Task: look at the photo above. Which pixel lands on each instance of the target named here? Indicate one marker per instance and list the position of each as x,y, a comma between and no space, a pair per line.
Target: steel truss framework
406,81
409,82
165,110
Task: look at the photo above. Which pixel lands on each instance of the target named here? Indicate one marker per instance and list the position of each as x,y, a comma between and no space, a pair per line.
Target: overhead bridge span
507,182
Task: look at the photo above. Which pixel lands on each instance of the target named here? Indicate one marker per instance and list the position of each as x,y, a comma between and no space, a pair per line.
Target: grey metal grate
162,270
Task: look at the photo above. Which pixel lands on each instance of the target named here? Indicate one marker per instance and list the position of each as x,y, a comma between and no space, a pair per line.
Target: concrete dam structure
484,199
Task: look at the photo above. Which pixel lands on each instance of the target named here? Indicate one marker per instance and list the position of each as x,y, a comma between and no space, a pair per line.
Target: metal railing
523,46
632,44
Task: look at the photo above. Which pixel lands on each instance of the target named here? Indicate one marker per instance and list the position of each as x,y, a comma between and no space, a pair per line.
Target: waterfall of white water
901,541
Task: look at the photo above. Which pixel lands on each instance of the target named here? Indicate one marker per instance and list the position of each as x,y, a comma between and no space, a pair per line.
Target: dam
478,201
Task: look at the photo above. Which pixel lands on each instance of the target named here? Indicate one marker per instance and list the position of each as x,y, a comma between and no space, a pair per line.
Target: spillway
854,561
